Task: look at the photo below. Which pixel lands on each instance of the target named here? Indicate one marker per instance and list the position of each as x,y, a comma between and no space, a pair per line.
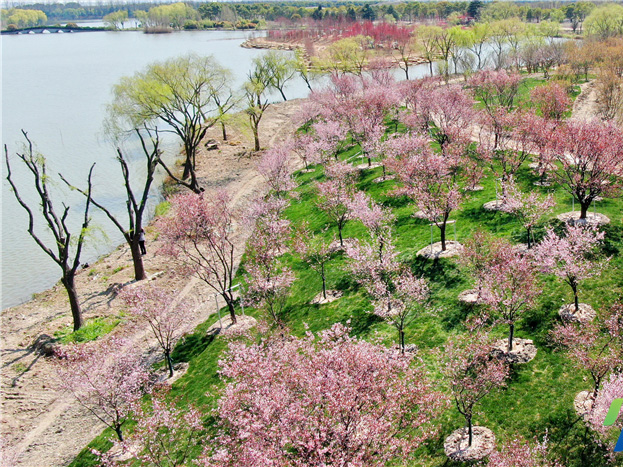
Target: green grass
539,395
91,330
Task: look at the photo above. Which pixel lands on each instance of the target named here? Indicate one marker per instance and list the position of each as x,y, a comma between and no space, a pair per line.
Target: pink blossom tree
199,237
596,346
509,285
325,400
571,257
315,251
167,317
164,435
520,453
529,208
397,294
495,89
268,277
590,160
107,378
551,100
275,169
330,138
434,182
452,113
336,193
612,389
471,371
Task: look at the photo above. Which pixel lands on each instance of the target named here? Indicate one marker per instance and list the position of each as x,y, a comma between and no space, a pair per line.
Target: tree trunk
224,131
339,230
407,72
402,340
256,137
442,228
137,260
74,303
324,281
230,307
282,95
188,167
584,207
529,239
430,65
118,431
469,431
167,355
510,337
574,287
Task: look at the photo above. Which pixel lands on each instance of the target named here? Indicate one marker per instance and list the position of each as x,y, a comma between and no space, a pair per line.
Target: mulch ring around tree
583,403
483,443
495,205
243,323
592,218
332,295
523,351
584,314
365,166
179,370
384,178
471,297
434,251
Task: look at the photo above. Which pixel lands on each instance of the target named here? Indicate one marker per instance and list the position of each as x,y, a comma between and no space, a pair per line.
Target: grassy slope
540,394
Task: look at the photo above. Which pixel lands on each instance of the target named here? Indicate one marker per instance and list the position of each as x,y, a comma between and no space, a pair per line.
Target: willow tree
65,246
177,93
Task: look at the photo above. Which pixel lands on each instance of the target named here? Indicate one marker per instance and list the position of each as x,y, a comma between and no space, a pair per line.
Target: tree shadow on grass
191,346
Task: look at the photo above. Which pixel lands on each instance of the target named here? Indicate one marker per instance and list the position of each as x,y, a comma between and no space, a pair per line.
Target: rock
45,345
211,145
523,351
483,443
585,313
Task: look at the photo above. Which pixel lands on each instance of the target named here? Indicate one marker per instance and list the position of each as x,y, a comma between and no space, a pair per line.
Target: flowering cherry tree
167,317
571,256
529,208
596,346
520,453
590,160
199,237
434,182
612,389
316,252
336,193
268,278
509,285
164,435
325,400
551,100
471,371
107,378
275,169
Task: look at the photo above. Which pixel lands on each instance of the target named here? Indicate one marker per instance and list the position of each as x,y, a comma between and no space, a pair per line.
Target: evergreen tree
473,10
367,13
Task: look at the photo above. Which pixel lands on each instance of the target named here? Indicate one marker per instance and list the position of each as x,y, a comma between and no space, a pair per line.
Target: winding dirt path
40,426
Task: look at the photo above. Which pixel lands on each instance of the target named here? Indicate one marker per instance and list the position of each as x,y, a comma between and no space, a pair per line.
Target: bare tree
257,102
66,252
135,209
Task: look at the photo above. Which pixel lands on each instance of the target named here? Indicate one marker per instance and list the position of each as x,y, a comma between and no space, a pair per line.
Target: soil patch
483,443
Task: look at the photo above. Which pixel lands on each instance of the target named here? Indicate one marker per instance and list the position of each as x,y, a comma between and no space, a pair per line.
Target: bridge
51,30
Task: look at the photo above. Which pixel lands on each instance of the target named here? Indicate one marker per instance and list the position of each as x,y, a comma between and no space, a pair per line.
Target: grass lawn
539,396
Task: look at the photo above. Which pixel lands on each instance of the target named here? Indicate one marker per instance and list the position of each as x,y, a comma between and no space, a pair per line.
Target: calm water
56,86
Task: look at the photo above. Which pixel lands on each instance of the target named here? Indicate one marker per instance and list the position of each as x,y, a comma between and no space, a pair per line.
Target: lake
56,87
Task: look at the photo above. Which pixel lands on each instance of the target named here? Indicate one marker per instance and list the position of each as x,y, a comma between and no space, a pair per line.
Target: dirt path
42,427
585,105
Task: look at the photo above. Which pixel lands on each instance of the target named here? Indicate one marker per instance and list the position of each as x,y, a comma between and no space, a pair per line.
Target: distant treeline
409,11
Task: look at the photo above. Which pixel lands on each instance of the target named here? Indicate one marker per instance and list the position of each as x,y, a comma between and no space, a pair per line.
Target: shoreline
45,427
